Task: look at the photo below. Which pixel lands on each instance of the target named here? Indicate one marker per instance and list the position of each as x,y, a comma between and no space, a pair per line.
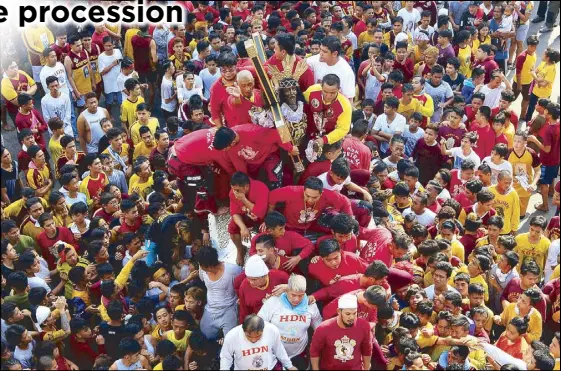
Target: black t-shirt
455,84
113,336
5,273
9,180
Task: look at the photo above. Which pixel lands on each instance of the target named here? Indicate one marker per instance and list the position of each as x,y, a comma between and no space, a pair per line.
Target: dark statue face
289,95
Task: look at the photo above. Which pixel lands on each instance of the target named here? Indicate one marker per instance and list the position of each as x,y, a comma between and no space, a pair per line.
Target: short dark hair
328,246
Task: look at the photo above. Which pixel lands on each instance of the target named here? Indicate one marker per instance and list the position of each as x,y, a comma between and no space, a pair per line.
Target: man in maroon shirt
248,205
130,220
244,100
333,263
292,247
529,277
145,59
61,47
343,342
29,118
81,335
257,286
265,247
109,209
218,94
252,148
402,62
304,205
356,152
484,59
368,302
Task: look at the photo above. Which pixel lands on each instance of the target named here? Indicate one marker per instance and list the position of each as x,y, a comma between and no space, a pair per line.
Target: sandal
542,208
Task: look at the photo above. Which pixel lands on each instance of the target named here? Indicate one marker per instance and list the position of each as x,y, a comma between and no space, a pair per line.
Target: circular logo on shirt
315,103
258,362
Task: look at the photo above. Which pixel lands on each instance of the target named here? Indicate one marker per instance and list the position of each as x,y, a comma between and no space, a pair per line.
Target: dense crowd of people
374,160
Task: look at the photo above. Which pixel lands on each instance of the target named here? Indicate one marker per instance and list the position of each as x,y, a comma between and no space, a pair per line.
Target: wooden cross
256,52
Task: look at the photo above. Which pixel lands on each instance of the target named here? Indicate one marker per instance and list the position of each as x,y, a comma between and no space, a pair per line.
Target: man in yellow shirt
407,104
37,37
525,306
144,119
38,175
129,105
142,178
525,62
533,244
118,151
478,267
543,78
507,202
526,169
145,147
368,36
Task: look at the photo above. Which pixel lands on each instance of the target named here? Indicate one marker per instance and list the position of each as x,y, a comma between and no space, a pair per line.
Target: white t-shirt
110,78
496,169
60,73
208,80
38,282
410,19
181,84
492,96
167,92
396,126
184,94
121,84
341,69
551,260
459,157
336,187
261,355
293,327
60,107
426,218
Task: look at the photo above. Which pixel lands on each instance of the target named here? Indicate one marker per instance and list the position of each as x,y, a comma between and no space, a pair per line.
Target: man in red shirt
189,156
356,152
291,246
51,236
243,101
60,46
130,220
343,342
265,247
218,94
109,209
334,263
385,245
284,56
549,153
203,9
343,229
29,118
248,206
459,178
251,148
257,286
304,205
375,274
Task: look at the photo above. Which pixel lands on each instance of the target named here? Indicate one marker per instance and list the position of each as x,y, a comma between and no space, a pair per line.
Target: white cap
443,11
348,301
42,314
255,267
402,36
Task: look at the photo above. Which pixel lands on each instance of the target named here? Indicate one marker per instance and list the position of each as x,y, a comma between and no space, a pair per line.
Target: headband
159,273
